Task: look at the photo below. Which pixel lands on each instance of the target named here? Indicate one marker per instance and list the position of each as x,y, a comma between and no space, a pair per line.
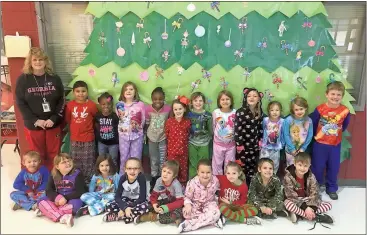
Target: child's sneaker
282,213
293,217
38,212
111,216
219,224
82,211
223,219
146,217
34,207
15,206
253,221
324,218
67,219
181,227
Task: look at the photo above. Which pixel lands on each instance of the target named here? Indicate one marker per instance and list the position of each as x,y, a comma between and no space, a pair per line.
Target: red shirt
300,187
177,134
80,117
237,194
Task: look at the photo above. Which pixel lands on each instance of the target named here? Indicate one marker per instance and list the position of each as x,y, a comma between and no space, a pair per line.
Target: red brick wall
19,17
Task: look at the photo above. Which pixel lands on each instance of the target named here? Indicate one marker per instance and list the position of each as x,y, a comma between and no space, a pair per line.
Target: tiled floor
349,213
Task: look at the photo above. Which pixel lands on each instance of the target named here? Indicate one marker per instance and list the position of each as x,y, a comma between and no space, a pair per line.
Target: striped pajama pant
237,213
295,208
96,201
54,212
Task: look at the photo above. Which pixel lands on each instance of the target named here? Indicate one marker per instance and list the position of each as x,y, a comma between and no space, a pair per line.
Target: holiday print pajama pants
249,159
296,208
196,153
96,201
274,155
25,201
237,213
221,157
157,155
139,209
169,217
54,212
83,155
183,171
201,215
128,149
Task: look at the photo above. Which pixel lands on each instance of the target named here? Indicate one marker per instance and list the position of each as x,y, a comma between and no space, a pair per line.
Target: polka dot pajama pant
139,209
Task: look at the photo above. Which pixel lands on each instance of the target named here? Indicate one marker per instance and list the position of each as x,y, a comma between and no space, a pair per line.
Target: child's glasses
132,168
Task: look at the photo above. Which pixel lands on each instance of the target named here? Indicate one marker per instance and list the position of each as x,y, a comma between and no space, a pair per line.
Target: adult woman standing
40,98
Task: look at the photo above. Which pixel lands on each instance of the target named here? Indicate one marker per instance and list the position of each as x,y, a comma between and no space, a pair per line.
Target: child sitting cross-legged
166,198
302,192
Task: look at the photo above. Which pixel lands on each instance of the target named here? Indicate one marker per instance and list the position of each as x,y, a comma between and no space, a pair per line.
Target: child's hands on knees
156,208
266,210
128,212
310,214
187,210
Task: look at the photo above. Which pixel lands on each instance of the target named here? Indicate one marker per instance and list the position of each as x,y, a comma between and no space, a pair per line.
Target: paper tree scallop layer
238,9
259,30
100,80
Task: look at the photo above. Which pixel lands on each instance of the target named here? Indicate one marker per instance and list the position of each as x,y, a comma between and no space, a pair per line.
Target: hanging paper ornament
307,23
268,95
114,79
119,25
223,83
320,52
102,38
318,79
238,54
299,55
215,5
209,103
247,73
311,43
282,28
191,7
120,51
180,70
133,39
140,25
277,80
331,78
199,31
159,72
177,24
228,43
195,85
91,72
165,34
206,74
147,39
243,24
144,76
184,40
262,44
198,51
218,29
165,55
286,46
301,83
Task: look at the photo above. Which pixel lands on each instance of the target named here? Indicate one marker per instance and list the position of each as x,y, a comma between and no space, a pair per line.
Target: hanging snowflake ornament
140,25
277,80
177,24
282,28
247,73
195,85
159,72
198,51
223,83
215,5
206,74
147,39
238,54
102,38
180,70
165,55
320,52
119,25
243,25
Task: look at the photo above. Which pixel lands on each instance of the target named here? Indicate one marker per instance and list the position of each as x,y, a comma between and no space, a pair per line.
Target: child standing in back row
79,114
131,112
224,146
156,117
200,132
249,131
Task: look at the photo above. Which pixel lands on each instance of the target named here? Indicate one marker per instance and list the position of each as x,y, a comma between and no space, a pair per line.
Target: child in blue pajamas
102,187
31,183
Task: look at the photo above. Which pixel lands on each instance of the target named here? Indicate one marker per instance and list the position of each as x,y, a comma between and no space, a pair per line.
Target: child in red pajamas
177,130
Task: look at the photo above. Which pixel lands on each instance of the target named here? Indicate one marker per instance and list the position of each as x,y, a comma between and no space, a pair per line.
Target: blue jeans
112,150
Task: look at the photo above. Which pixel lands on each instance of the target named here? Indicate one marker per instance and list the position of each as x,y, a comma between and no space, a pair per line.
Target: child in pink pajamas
64,188
200,205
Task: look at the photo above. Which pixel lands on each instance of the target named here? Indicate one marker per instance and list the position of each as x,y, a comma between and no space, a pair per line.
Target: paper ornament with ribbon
262,44
285,46
159,72
184,40
223,83
307,24
198,51
268,95
165,55
165,34
209,102
318,79
147,39
206,74
215,5
140,25
177,24
320,52
102,38
238,54
243,25
180,70
277,80
247,73
311,43
195,84
114,79
119,25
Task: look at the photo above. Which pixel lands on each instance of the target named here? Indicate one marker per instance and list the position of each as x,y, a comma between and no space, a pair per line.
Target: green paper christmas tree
127,45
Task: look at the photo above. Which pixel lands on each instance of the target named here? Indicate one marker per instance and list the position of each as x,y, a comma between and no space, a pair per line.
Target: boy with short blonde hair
167,198
330,120
31,183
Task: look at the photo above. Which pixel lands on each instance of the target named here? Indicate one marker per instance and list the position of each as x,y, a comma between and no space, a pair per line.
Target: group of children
246,148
